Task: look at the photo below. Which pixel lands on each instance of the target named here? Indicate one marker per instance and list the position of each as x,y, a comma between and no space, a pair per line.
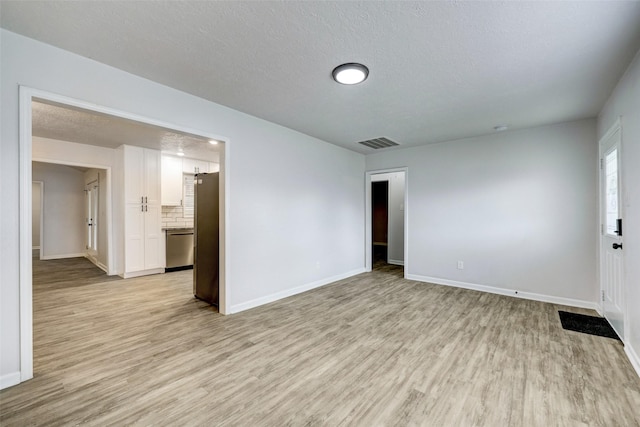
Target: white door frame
616,127
368,239
27,94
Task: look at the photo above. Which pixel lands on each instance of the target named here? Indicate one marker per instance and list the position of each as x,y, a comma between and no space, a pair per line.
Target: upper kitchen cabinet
173,168
195,166
142,215
171,181
142,175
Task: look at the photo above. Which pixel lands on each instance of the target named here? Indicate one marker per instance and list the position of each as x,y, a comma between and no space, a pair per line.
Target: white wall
63,219
36,189
395,231
518,208
624,102
71,153
292,196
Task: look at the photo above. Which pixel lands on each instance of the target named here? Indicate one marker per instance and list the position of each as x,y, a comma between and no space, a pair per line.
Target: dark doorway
379,220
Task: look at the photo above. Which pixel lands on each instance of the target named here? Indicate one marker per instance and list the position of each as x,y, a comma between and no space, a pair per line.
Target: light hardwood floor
370,350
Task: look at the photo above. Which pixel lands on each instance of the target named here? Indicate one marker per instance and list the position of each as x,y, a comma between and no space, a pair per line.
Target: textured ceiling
438,70
89,127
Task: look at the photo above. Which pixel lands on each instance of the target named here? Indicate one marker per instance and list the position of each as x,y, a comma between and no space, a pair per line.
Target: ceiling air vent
376,143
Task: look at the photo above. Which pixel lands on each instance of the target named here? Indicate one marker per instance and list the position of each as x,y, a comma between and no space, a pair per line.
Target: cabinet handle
145,199
141,199
146,208
141,208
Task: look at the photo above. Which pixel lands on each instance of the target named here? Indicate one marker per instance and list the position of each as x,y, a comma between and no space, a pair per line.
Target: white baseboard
395,262
142,273
61,256
97,263
599,310
633,358
102,267
293,291
509,292
9,380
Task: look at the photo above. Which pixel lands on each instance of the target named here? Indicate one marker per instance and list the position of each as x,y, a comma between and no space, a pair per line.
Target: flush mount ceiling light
350,74
500,128
180,153
213,142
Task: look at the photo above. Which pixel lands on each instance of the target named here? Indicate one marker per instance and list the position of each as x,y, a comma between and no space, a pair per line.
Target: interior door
611,245
92,191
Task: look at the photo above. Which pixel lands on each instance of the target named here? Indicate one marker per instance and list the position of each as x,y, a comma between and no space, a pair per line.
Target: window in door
611,192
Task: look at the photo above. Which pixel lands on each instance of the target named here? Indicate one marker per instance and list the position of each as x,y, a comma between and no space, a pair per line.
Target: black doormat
587,324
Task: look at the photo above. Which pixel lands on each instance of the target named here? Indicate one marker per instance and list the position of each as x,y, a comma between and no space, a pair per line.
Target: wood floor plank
374,349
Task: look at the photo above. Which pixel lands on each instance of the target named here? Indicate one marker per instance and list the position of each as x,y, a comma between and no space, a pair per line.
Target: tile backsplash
173,217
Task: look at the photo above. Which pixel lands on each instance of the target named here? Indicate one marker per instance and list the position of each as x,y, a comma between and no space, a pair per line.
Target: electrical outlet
460,265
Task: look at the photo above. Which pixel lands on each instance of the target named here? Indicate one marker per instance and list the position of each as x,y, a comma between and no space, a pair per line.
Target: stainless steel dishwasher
179,248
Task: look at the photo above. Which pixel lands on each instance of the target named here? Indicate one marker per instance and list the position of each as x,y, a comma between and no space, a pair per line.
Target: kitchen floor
374,349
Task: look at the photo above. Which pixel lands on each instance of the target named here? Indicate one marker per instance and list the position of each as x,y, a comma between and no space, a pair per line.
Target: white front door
92,191
611,246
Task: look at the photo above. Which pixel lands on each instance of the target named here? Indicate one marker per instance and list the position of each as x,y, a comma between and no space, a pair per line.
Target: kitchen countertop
177,228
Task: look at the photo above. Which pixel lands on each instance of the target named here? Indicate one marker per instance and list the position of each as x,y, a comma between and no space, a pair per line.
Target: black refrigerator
206,237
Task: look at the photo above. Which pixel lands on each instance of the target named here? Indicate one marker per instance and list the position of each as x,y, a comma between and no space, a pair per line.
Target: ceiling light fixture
180,153
500,128
213,142
350,74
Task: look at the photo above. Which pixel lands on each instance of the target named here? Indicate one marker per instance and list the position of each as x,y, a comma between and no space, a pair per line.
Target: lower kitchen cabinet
143,240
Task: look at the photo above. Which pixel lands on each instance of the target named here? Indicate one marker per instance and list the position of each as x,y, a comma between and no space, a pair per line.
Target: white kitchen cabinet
153,237
142,212
214,167
195,166
134,239
171,181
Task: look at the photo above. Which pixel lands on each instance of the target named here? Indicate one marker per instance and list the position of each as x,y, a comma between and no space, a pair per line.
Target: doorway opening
92,192
380,221
386,218
73,216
